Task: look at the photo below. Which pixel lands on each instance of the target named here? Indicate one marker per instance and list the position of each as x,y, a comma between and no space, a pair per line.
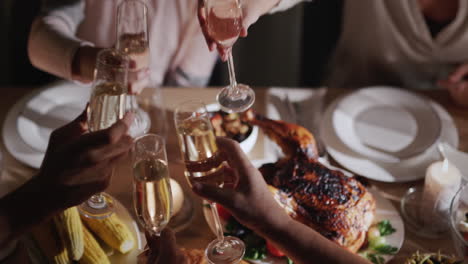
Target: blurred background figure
66,36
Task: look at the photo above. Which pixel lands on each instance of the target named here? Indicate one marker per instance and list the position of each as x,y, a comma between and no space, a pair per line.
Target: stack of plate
386,134
30,121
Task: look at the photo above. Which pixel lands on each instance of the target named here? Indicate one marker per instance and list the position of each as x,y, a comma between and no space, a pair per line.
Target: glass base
237,100
98,208
229,251
410,206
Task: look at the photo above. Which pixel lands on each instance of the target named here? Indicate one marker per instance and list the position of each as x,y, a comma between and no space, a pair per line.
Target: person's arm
53,46
76,165
252,204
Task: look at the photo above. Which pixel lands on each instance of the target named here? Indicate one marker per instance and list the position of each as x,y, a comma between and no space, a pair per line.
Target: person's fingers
459,74
204,27
232,151
445,84
153,243
137,86
107,136
231,178
72,130
223,53
215,194
168,250
109,151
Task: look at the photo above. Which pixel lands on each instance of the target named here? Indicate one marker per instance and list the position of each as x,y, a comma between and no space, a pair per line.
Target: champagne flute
204,164
132,39
152,196
224,22
106,106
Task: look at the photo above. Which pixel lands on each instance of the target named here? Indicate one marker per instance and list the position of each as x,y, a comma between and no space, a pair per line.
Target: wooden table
198,234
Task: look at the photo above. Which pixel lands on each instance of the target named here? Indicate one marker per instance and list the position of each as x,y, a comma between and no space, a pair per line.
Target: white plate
52,108
406,170
114,256
385,211
386,124
14,143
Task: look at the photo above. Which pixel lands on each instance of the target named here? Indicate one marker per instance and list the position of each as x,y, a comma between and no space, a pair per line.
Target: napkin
295,105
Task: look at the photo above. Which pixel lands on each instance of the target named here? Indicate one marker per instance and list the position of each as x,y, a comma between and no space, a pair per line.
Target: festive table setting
390,139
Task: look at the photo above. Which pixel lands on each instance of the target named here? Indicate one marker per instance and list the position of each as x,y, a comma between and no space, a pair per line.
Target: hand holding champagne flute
106,106
205,164
132,39
224,23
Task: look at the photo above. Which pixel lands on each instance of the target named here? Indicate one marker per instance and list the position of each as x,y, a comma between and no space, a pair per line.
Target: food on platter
431,258
338,207
69,237
230,125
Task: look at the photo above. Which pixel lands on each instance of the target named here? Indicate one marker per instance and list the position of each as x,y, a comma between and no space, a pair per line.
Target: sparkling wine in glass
204,164
224,22
152,195
132,39
106,106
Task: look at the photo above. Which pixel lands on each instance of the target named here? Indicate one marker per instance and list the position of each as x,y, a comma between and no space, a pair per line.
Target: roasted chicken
338,207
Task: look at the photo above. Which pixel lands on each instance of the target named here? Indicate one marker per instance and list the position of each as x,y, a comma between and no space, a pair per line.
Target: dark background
290,48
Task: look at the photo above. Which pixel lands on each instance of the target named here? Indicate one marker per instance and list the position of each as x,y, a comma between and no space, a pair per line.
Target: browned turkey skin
338,207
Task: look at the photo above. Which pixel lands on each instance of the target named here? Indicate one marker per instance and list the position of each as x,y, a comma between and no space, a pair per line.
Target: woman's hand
78,164
251,12
457,85
84,63
250,202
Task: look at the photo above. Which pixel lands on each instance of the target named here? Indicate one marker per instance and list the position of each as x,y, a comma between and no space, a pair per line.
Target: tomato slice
223,213
273,250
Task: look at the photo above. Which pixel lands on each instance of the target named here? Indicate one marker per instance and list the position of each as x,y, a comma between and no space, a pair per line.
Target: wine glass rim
453,224
197,104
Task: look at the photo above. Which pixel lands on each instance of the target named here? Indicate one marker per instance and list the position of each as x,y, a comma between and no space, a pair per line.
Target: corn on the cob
70,229
93,253
112,231
48,240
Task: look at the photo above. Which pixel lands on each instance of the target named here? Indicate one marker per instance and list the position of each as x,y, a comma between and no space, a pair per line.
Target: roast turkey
338,207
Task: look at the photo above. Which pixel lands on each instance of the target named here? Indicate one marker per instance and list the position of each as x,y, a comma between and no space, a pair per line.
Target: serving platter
114,257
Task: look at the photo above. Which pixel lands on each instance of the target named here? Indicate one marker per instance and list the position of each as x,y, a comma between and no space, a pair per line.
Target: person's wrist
83,63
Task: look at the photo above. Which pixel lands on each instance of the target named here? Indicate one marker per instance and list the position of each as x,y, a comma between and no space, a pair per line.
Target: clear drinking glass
132,39
106,106
204,164
224,21
458,214
152,197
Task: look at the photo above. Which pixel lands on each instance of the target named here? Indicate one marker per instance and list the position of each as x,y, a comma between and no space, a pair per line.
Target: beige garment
388,42
179,54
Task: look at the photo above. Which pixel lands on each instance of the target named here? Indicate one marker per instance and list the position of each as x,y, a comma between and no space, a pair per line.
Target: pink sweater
179,54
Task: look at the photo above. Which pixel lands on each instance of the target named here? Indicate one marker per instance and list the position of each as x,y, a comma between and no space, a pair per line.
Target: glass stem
232,73
217,221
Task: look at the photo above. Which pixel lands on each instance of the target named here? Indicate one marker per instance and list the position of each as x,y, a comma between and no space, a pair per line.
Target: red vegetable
273,250
223,213
465,236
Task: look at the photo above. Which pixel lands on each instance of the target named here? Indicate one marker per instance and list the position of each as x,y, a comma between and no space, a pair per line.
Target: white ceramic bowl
249,142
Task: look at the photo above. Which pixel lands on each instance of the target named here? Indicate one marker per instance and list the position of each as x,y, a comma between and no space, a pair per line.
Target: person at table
66,37
77,165
409,43
253,205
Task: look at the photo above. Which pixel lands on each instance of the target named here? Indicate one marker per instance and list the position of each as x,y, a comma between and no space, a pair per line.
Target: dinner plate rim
367,168
425,102
31,137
